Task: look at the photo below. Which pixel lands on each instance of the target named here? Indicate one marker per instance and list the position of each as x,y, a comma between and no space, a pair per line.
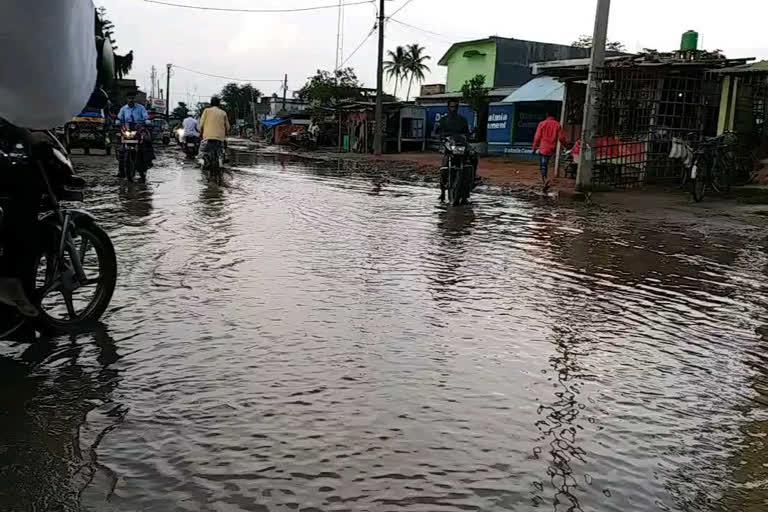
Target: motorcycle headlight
458,150
130,134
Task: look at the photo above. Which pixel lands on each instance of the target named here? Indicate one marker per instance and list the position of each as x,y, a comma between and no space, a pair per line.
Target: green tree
415,66
475,94
396,65
237,100
181,111
200,107
123,64
329,88
585,41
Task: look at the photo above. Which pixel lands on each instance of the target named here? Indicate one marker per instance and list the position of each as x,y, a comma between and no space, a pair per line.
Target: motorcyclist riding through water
136,113
189,125
214,126
451,125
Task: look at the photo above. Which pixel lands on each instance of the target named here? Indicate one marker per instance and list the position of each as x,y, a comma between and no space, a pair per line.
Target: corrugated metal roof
501,92
756,67
542,88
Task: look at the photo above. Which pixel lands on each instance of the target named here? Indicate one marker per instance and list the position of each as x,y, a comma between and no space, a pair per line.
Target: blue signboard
500,118
528,115
435,112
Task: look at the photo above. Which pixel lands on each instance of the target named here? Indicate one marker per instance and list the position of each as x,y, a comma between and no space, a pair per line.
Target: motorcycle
71,273
213,160
131,158
459,176
190,145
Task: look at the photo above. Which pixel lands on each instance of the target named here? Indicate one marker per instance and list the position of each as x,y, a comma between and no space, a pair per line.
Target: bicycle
712,162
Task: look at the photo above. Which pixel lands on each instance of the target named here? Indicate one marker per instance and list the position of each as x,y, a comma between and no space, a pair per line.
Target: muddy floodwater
305,338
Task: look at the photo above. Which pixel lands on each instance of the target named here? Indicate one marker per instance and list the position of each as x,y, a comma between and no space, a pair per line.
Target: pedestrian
314,132
548,133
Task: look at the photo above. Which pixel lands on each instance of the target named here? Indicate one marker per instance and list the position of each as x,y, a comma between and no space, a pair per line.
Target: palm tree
415,67
123,64
395,66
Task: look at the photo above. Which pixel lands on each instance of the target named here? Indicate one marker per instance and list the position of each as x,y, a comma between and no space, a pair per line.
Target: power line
373,30
223,77
400,8
225,9
442,36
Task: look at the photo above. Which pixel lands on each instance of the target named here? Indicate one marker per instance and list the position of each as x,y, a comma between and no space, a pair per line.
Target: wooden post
400,132
563,113
340,141
722,120
734,103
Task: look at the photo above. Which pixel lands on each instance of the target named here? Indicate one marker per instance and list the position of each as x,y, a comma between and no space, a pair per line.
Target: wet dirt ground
308,338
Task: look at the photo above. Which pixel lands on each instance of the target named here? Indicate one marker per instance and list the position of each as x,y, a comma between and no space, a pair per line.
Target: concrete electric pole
153,78
285,89
168,92
587,156
378,138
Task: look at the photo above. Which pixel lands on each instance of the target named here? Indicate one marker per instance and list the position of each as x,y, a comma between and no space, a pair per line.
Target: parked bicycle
715,164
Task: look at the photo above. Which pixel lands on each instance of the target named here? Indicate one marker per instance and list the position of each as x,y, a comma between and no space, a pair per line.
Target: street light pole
591,102
378,138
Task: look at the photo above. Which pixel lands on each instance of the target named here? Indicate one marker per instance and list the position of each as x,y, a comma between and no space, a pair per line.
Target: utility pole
591,102
285,89
153,74
340,35
168,91
378,138
253,110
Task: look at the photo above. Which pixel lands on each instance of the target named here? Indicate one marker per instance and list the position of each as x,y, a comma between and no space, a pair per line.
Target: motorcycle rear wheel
214,173
58,306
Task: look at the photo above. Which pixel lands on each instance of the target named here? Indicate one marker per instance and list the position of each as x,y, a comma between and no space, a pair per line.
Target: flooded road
304,339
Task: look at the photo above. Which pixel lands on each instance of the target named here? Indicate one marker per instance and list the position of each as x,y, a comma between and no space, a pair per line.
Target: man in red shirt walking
548,133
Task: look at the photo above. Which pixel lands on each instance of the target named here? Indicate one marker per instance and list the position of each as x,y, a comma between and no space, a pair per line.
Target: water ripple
314,338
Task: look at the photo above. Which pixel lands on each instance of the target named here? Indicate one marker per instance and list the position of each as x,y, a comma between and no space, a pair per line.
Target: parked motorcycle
213,160
191,145
71,274
458,177
132,156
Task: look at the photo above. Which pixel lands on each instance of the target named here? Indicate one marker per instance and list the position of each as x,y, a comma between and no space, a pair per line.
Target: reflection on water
560,426
135,199
318,339
56,408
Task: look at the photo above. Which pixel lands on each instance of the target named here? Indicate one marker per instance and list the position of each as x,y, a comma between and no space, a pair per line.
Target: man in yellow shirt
214,125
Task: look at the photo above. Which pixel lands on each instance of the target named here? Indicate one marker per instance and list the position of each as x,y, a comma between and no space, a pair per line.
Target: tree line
237,100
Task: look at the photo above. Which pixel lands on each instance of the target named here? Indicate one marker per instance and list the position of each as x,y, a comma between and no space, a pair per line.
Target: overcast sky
267,46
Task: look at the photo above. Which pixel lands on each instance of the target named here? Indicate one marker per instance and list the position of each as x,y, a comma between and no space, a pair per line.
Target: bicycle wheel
721,175
698,184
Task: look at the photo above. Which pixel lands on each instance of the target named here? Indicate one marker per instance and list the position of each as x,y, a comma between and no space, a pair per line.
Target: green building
505,62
